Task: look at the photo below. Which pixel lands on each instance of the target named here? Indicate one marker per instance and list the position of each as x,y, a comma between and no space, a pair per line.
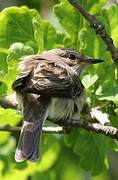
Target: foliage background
23,31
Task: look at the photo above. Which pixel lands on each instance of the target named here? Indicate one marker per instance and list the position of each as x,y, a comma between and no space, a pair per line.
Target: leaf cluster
24,32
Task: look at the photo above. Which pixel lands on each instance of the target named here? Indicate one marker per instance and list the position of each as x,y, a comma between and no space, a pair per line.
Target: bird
49,85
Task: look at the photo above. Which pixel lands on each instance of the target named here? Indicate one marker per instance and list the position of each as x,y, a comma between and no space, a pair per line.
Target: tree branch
94,127
99,29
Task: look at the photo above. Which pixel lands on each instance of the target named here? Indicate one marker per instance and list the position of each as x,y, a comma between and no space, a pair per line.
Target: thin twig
99,29
56,130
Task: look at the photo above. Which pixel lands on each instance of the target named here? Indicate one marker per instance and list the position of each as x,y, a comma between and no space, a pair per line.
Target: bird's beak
88,60
93,61
84,61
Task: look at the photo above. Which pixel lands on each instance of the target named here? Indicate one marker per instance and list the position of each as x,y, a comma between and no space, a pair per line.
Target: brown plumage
49,85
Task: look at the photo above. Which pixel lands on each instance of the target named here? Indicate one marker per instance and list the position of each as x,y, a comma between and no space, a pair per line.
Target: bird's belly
62,108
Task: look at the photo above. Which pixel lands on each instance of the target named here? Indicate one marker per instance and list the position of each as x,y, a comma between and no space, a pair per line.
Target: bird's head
73,58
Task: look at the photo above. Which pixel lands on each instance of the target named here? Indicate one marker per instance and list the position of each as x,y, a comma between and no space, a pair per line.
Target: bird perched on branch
49,85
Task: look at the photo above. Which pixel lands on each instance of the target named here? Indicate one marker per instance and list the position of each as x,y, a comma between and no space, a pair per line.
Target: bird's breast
63,108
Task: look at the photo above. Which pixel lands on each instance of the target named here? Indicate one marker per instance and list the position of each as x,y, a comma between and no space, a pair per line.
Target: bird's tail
34,114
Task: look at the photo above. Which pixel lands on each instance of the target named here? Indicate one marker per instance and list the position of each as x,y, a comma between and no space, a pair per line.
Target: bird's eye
72,56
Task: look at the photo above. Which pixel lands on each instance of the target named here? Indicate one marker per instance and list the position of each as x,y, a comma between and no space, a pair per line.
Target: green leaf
3,88
3,62
18,50
92,149
114,36
50,35
44,32
38,31
49,156
89,80
9,77
70,22
16,26
71,138
51,150
109,93
8,117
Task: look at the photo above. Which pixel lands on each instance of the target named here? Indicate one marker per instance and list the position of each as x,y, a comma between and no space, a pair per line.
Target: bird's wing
48,77
34,114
